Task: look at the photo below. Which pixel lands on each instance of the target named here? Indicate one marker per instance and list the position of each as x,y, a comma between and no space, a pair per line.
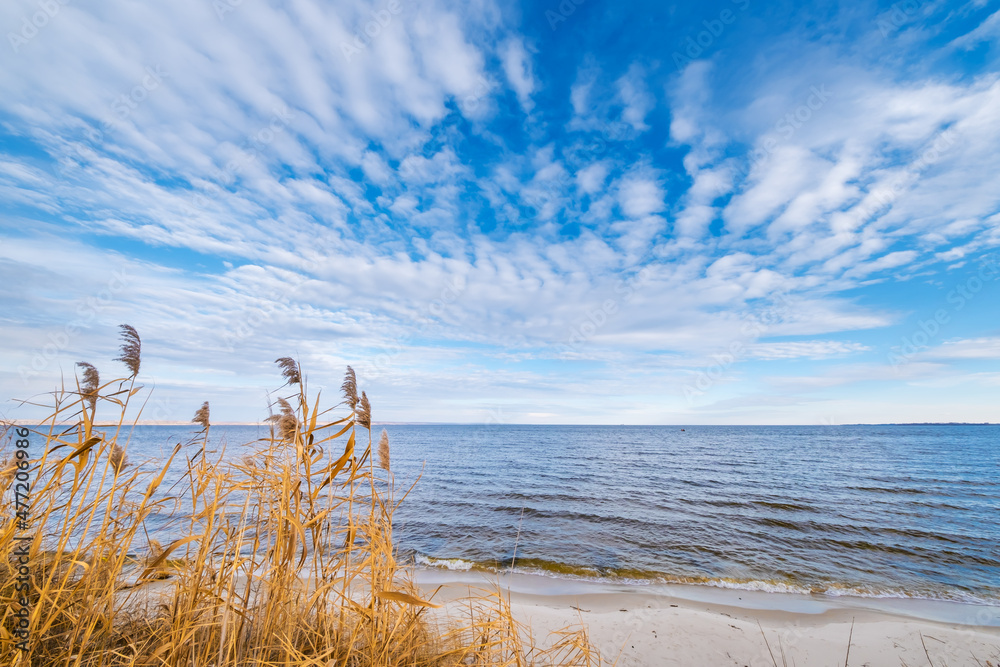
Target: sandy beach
695,626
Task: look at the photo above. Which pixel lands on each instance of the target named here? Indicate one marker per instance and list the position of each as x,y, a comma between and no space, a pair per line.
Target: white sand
697,626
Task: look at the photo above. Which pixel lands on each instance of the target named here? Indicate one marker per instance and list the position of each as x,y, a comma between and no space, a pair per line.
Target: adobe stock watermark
87,311
489,428
787,125
561,12
252,319
387,352
599,316
977,616
123,105
33,23
512,341
363,37
885,196
927,330
597,143
223,7
540,199
253,145
696,46
471,102
900,14
752,329
159,409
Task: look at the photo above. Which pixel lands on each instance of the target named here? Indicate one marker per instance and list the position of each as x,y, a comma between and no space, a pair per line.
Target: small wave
941,506
790,507
764,586
454,564
882,489
781,523
557,570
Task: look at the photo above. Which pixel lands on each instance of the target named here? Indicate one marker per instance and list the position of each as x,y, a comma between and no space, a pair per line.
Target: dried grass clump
280,555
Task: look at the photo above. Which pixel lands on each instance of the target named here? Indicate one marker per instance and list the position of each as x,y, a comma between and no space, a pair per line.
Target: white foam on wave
455,564
752,585
826,589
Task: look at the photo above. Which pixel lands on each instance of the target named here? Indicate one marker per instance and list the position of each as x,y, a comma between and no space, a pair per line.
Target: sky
575,212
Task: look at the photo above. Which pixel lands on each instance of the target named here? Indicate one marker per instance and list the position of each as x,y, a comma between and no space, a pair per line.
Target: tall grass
281,556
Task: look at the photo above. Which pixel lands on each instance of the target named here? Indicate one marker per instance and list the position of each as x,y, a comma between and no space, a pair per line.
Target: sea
896,511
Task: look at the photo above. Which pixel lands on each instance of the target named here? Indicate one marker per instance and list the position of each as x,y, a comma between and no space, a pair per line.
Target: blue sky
576,212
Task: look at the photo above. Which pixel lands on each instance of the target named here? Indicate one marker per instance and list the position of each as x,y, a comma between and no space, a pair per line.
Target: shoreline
692,625
542,585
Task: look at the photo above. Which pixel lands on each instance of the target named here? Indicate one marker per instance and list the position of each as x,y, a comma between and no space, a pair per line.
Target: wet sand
693,626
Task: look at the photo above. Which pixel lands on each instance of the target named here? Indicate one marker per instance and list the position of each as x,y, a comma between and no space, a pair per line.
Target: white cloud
517,67
890,261
580,92
690,99
985,31
968,348
346,177
640,196
792,170
635,97
591,178
812,349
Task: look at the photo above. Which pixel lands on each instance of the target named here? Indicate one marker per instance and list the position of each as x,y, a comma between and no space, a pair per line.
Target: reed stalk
281,555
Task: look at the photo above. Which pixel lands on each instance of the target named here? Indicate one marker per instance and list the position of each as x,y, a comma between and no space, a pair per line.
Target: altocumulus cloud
444,195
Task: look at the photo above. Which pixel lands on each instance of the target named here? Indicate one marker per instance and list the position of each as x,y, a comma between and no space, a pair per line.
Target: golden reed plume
201,416
280,555
131,348
383,450
89,384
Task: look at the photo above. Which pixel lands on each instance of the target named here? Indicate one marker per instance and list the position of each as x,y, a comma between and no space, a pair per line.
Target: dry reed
383,450
89,384
131,349
281,556
201,416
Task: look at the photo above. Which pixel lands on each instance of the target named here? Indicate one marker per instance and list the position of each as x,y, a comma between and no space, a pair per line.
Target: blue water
894,511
